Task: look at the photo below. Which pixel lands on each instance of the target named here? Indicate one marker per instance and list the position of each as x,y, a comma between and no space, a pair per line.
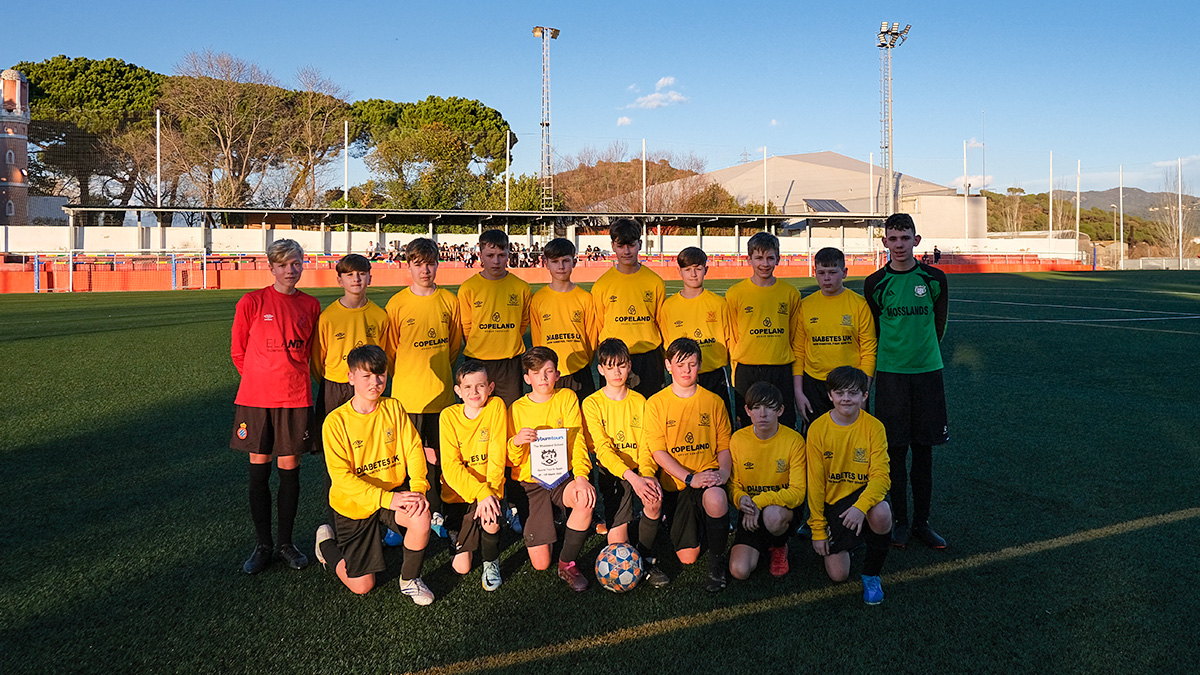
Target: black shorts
361,543
841,538
685,516
279,432
760,539
330,396
648,366
461,517
581,382
716,381
539,526
618,496
818,396
508,376
745,375
912,407
428,428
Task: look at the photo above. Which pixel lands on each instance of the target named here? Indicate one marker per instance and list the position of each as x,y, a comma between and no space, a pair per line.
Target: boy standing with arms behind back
701,315
909,302
563,318
628,298
494,306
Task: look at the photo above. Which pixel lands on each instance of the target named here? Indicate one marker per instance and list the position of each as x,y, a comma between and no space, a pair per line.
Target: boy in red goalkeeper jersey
270,344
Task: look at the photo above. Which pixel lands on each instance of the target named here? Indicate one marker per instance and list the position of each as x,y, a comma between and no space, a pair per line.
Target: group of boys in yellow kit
417,462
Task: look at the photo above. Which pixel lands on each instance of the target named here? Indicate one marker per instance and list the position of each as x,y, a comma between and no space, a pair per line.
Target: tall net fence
78,270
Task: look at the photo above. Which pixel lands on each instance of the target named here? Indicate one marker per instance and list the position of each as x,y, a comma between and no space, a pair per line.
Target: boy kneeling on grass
767,485
847,481
555,411
376,465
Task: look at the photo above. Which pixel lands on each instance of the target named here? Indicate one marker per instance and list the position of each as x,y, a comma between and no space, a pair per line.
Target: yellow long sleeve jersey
627,307
705,319
494,316
566,323
766,325
771,472
614,431
842,459
560,412
838,331
692,430
368,456
424,338
339,330
473,452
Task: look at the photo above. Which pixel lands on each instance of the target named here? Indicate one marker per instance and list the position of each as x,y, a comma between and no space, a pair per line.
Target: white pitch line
1078,321
1039,304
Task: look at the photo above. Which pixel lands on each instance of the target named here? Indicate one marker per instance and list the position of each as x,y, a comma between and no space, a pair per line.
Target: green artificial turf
1071,407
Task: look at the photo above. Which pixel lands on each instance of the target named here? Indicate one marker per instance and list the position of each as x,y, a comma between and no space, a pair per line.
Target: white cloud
774,123
664,82
633,88
974,143
658,100
1172,163
976,182
624,121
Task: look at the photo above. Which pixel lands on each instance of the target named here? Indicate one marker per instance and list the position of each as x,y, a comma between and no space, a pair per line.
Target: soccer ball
619,567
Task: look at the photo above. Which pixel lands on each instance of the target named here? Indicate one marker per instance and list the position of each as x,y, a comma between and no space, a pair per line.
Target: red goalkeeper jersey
271,342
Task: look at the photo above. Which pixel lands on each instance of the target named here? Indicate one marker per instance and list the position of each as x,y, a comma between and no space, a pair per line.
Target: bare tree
231,112
1163,224
315,132
1012,209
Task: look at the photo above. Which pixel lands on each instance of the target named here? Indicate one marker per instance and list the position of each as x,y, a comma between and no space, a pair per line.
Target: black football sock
647,533
287,502
434,493
877,550
489,546
718,538
260,502
922,482
572,542
898,467
411,567
331,553
326,483
781,539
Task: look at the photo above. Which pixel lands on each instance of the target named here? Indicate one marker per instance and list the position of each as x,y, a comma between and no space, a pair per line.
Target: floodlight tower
888,39
546,173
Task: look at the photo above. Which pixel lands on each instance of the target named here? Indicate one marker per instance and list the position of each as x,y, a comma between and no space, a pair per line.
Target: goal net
79,270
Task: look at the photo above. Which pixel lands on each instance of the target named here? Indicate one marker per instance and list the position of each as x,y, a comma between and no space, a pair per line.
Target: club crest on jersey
783,308
846,320
577,317
242,433
558,422
712,317
496,317
389,435
860,454
268,317
689,438
648,296
632,310
445,317
920,290
372,331
781,466
484,435
635,422
704,419
767,322
512,300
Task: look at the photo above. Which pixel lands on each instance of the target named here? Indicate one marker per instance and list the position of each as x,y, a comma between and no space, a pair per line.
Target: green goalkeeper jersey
910,317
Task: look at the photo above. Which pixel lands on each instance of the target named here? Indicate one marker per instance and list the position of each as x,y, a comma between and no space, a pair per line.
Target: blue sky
1104,83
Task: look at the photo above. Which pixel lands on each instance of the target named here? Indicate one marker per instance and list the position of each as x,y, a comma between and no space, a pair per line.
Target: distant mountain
1137,202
